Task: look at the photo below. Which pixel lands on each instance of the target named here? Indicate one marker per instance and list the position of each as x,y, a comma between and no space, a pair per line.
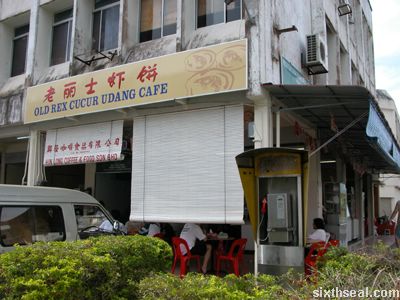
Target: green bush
108,267
376,268
196,286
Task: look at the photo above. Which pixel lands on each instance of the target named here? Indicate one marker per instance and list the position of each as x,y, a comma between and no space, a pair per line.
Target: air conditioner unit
316,57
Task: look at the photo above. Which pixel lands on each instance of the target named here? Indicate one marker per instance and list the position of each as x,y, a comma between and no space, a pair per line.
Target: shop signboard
202,71
91,143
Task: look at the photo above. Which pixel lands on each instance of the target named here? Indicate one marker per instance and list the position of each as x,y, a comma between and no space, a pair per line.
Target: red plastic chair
177,243
333,243
316,251
235,255
159,235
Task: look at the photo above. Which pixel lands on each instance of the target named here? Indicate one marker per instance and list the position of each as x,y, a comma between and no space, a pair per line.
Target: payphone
273,180
280,224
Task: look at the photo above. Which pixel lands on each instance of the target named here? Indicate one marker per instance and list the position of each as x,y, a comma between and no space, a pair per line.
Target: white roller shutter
183,167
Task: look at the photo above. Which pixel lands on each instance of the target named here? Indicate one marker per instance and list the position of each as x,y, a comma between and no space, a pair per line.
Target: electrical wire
259,226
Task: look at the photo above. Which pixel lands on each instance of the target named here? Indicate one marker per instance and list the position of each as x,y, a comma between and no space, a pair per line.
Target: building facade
182,87
389,192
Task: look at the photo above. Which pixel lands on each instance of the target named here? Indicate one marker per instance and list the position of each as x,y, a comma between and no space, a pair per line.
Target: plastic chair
159,235
177,243
317,250
327,237
235,255
333,243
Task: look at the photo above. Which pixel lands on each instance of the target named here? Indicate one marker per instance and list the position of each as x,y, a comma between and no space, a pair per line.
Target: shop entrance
113,190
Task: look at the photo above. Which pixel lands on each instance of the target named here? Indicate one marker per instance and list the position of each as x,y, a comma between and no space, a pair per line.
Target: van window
91,216
28,224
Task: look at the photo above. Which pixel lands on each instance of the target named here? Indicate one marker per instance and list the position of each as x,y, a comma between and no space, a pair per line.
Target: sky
386,32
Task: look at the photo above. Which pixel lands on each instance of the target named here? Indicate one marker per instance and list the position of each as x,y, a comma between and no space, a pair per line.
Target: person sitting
154,229
319,235
196,240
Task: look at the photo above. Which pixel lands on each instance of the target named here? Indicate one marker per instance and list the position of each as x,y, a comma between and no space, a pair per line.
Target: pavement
370,241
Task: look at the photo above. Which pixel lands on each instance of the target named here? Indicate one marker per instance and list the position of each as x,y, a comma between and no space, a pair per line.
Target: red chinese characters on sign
69,90
119,76
49,96
148,72
85,145
90,86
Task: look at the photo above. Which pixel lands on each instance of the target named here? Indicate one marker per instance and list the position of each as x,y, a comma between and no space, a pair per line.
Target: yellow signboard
202,71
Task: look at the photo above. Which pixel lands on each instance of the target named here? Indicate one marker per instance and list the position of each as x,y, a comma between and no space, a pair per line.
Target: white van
31,214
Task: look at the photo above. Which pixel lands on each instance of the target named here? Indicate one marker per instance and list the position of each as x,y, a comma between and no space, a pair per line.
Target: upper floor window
210,12
105,24
20,45
158,19
62,31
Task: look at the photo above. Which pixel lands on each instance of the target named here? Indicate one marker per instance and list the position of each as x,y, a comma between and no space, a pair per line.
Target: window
88,216
28,224
19,50
158,19
105,25
210,12
62,31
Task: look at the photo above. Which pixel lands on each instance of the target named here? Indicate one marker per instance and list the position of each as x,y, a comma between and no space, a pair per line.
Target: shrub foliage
137,267
108,267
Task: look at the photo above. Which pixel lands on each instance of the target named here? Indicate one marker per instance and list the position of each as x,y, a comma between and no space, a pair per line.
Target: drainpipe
278,129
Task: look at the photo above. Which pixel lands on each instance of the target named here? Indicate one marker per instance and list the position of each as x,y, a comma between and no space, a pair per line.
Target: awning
369,143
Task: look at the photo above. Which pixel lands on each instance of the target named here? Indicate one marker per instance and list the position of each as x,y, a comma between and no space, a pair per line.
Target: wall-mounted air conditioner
316,60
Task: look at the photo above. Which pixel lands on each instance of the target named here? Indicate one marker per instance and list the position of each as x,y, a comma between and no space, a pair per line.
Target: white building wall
267,45
389,191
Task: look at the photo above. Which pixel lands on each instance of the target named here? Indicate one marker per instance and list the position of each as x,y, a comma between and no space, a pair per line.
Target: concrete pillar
370,201
90,176
314,204
263,127
358,189
340,170
3,166
33,158
33,29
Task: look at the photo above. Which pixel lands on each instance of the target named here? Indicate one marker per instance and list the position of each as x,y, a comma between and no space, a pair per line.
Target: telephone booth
274,183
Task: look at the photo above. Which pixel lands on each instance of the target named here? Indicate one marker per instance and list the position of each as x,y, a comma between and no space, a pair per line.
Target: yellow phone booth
274,181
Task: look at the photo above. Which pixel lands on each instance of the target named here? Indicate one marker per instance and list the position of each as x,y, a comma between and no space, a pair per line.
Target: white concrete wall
389,191
12,8
6,36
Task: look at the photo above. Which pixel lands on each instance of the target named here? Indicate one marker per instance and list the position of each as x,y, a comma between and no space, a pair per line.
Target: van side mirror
116,226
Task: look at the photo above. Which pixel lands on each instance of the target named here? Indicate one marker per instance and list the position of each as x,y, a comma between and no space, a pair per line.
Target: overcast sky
386,31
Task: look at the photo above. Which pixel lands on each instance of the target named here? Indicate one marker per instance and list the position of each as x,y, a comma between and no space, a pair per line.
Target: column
263,127
33,159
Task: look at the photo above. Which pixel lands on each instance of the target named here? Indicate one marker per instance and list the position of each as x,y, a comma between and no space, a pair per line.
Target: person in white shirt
153,229
319,235
196,240
397,229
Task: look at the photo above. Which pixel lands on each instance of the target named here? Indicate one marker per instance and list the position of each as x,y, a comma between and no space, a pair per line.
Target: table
219,249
